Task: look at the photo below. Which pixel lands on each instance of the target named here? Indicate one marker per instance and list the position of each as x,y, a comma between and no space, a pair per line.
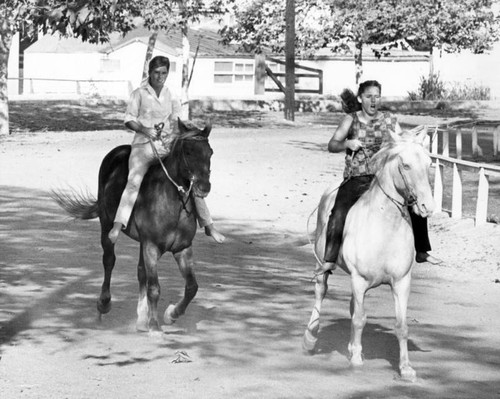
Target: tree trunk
260,74
185,74
149,54
5,44
290,60
358,60
431,63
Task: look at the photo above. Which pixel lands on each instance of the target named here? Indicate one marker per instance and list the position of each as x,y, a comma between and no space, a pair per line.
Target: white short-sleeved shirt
148,109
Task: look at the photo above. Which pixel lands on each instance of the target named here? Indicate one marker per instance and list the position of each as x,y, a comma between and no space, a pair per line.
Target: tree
290,60
348,26
450,26
179,15
91,20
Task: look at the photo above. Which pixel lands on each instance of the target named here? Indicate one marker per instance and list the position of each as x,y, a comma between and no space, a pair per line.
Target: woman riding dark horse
163,218
151,115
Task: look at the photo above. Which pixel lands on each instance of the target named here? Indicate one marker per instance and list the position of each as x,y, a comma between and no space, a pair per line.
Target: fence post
456,198
438,187
475,150
458,141
446,143
496,140
434,141
482,198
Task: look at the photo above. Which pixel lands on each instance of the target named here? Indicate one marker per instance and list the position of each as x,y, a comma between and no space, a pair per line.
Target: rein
180,188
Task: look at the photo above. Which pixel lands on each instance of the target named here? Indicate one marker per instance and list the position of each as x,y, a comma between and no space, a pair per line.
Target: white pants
141,158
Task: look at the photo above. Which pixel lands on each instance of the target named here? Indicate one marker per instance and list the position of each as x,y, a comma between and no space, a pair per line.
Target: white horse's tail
323,211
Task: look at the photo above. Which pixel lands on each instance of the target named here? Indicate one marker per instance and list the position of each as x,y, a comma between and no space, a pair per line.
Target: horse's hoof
356,360
309,341
168,316
408,374
102,307
154,327
142,326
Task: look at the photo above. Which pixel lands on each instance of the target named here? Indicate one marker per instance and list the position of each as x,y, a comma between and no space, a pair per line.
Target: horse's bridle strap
181,189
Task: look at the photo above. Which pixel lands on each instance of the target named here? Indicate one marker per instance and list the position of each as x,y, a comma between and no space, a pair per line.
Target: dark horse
163,218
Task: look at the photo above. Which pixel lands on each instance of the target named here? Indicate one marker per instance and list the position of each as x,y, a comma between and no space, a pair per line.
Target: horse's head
404,159
192,152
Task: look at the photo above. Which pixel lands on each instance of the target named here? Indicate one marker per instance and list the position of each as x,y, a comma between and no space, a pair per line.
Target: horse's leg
149,274
142,303
108,261
185,261
401,292
358,318
311,333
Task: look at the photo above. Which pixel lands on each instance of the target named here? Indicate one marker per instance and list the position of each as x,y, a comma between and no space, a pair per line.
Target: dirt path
243,331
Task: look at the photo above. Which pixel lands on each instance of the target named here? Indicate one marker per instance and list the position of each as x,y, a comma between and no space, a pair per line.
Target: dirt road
243,331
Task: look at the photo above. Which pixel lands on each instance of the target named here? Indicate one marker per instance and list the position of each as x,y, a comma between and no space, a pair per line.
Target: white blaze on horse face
415,164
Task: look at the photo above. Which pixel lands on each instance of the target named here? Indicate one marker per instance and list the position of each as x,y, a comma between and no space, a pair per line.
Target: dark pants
348,193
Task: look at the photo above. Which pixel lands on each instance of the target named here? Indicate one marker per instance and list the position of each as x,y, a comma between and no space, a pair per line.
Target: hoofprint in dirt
243,332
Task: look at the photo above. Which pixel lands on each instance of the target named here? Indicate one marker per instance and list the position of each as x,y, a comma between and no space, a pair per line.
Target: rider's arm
339,141
132,116
138,127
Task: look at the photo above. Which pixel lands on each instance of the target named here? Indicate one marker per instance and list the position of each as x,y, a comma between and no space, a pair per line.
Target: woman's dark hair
159,61
349,99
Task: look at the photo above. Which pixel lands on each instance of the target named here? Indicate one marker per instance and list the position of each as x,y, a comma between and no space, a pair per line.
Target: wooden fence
440,142
80,87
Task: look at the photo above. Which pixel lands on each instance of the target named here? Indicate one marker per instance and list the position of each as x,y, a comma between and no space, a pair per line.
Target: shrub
432,87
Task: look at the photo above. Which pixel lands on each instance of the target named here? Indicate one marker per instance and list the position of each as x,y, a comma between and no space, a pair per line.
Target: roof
206,41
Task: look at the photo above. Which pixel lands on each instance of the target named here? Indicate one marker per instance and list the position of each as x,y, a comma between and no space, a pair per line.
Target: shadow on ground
71,115
254,301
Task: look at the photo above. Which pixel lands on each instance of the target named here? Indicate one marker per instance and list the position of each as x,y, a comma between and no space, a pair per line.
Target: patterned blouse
371,135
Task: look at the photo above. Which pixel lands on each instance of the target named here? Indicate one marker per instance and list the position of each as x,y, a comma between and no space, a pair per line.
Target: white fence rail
80,87
440,139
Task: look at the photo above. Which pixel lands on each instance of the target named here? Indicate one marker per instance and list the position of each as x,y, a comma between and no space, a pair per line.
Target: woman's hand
149,132
354,144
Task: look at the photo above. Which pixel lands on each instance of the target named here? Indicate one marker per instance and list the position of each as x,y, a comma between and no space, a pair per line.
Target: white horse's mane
391,147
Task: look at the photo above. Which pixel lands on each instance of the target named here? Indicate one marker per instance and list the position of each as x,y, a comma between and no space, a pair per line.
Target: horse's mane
191,132
390,149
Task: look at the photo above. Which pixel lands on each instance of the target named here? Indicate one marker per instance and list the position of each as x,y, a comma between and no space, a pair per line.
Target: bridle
409,196
179,187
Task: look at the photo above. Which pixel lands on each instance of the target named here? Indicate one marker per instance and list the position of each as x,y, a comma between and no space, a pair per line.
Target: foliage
162,15
260,26
346,26
91,20
432,87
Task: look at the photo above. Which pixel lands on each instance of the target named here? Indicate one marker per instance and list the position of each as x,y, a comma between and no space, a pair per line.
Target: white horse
378,245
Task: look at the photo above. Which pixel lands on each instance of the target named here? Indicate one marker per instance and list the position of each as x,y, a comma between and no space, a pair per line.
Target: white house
68,66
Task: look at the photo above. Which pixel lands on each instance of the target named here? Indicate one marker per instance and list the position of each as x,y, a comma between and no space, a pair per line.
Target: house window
233,72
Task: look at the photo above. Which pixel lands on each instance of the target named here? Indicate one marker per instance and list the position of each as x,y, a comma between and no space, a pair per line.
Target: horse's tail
322,211
78,205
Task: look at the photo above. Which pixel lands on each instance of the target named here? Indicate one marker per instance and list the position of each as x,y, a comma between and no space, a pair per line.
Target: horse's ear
393,137
208,128
420,135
